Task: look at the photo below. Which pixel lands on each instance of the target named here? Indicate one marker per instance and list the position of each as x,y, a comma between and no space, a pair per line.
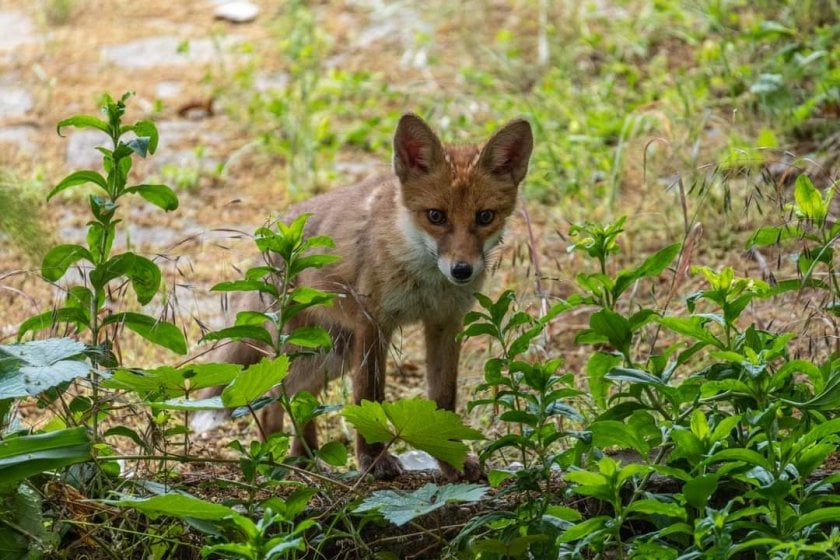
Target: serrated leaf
169,381
417,422
159,332
255,381
400,507
30,368
608,433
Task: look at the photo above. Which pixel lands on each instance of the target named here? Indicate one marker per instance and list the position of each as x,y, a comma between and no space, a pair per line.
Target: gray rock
21,136
162,51
16,29
15,101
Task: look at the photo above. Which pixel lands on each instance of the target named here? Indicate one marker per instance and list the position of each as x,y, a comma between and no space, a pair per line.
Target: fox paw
472,471
383,466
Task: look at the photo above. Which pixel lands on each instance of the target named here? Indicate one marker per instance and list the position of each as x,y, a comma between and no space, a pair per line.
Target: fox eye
437,217
484,217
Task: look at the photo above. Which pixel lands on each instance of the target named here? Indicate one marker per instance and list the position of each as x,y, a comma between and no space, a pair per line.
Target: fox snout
460,271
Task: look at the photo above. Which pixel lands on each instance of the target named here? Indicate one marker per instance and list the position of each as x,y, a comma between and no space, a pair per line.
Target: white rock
237,12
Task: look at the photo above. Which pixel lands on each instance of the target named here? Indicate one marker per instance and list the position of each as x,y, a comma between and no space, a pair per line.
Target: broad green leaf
255,381
48,319
400,507
698,490
655,507
169,381
771,235
820,516
596,369
79,178
239,332
736,454
609,433
25,456
693,327
159,195
60,258
808,199
157,331
310,337
182,403
417,422
333,453
145,129
30,368
614,327
246,286
145,278
651,267
178,505
583,529
83,121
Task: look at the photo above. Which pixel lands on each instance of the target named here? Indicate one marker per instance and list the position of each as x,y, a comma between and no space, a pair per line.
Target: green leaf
25,456
400,507
145,278
168,381
30,368
416,422
60,258
614,327
157,331
817,517
144,129
808,199
596,369
771,235
693,327
310,337
333,453
698,490
655,507
255,381
238,332
84,121
583,529
608,433
79,178
47,319
653,266
246,286
178,505
159,195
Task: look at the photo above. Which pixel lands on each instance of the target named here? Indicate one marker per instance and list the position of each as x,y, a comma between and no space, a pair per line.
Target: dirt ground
62,68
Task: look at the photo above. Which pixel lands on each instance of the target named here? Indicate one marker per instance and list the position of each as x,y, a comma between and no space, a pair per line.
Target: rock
19,135
237,12
15,102
15,29
166,50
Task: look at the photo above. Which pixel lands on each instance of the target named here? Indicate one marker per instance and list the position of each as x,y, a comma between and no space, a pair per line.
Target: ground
200,80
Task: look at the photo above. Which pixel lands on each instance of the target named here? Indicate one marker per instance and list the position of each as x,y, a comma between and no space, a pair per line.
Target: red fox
414,248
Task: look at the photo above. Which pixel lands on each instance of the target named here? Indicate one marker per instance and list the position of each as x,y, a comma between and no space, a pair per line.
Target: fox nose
461,270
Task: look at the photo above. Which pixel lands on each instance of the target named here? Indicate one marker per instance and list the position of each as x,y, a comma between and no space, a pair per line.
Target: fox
414,247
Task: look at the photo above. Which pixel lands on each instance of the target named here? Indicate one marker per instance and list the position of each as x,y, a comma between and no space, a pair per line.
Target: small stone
237,12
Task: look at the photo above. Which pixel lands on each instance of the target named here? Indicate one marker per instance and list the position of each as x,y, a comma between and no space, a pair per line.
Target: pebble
237,12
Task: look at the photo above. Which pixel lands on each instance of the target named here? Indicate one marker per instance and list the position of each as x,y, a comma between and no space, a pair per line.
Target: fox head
456,199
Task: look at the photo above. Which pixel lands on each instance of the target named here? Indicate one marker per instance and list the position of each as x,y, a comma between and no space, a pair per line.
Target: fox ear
416,148
507,152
